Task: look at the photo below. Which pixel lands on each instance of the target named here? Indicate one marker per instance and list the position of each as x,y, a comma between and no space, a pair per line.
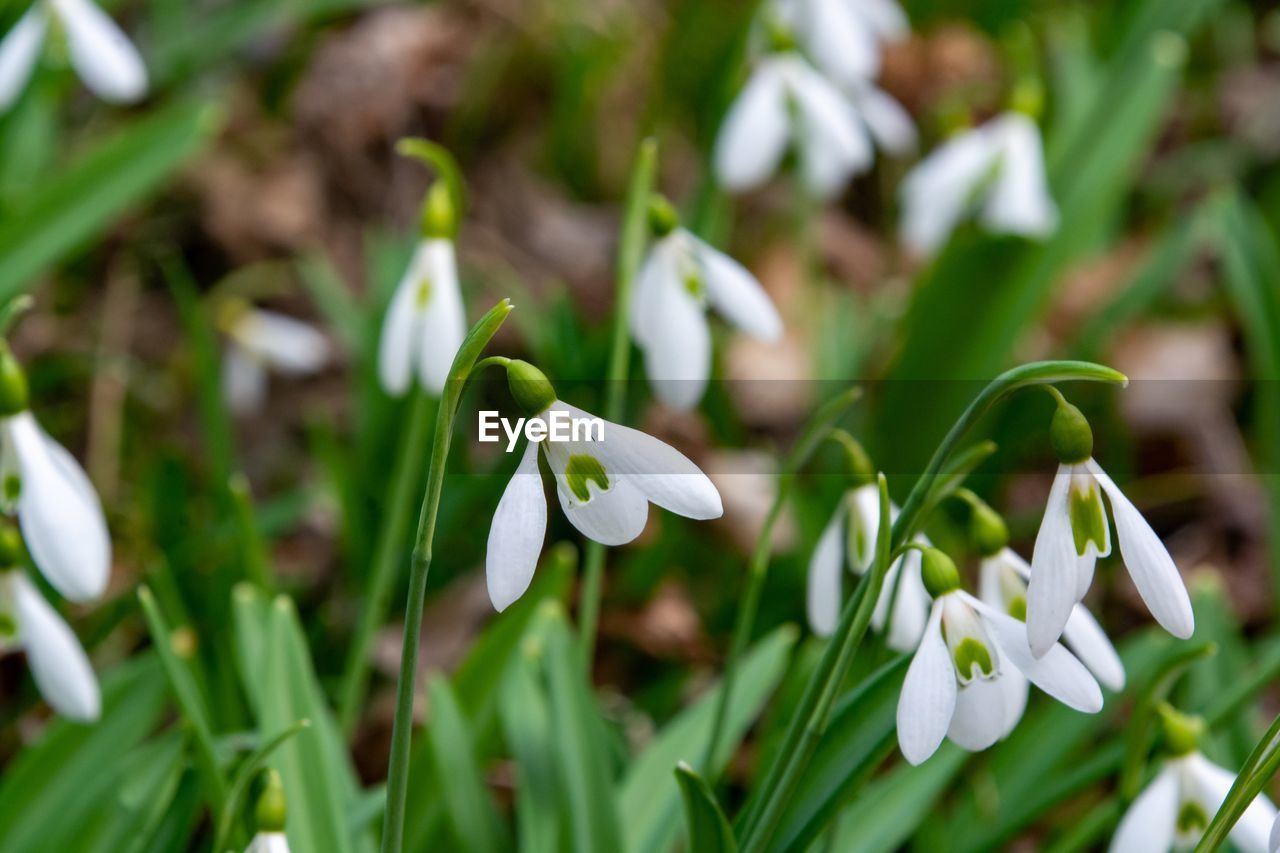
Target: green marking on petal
583,469
8,626
423,294
1088,518
12,488
1018,608
970,653
1192,818
693,284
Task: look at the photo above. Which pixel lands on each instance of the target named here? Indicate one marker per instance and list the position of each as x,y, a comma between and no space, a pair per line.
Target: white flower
58,662
605,488
58,510
1173,811
268,842
426,323
844,36
1274,846
258,340
1002,583
998,167
1074,533
958,684
101,54
680,279
831,143
850,539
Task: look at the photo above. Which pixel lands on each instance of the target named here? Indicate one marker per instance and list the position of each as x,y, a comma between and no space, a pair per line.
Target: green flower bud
780,37
1028,97
530,386
13,383
1181,732
986,526
11,549
663,217
269,813
939,571
439,219
1070,435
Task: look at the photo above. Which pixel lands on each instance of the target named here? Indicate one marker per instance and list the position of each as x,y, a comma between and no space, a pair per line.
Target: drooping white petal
290,346
71,470
1057,672
885,17
443,322
1148,562
244,380
614,516
840,40
938,192
20,52
890,124
1149,824
736,294
102,55
1086,639
1251,834
1013,693
979,718
1019,201
516,533
823,597
677,352
833,145
754,134
910,607
268,842
659,267
1274,844
58,662
1052,590
400,331
928,697
65,532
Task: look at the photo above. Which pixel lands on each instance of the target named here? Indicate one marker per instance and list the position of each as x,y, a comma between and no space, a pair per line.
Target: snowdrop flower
844,36
1274,846
997,168
259,340
425,323
58,663
1074,533
958,683
269,814
680,280
101,54
1173,811
57,508
605,486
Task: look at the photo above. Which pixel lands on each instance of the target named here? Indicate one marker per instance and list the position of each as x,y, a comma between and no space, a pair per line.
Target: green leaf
709,830
69,209
525,712
471,813
890,808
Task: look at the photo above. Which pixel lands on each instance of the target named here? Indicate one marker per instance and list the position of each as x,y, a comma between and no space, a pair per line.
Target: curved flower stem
744,622
809,720
630,253
398,776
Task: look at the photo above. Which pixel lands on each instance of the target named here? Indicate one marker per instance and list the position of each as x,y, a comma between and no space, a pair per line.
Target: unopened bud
1070,435
530,386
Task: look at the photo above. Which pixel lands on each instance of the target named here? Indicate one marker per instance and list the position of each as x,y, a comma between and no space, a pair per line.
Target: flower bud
1181,732
1070,435
861,471
530,386
13,383
11,549
987,527
663,217
269,813
439,219
939,572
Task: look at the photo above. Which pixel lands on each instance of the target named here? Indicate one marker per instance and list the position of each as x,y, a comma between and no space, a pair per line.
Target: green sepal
270,811
939,572
1070,434
530,386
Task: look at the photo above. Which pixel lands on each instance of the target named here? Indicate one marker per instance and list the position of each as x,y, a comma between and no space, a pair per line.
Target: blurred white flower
959,684
101,54
1173,811
844,36
997,168
849,539
605,488
1074,533
259,340
1274,846
680,279
425,323
58,663
268,842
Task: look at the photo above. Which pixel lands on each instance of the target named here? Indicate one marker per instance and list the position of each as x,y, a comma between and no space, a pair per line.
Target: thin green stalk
808,719
1257,771
635,225
253,552
420,564
744,622
377,596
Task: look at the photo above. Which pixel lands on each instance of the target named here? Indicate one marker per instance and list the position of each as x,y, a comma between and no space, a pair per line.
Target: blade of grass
707,826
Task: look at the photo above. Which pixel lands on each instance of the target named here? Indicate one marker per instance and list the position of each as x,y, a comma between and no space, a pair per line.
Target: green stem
377,596
253,551
1257,771
635,225
420,565
744,623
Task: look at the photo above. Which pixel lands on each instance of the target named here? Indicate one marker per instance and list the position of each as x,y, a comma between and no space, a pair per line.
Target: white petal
290,346
102,55
1274,845
1019,202
516,533
443,323
64,530
1057,672
833,144
400,334
864,515
658,268
841,41
1052,590
612,517
910,608
244,380
938,191
928,696
58,662
268,842
1086,639
1013,693
71,470
886,18
20,51
1148,826
678,347
823,596
889,122
1212,783
754,134
737,295
1148,562
979,718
